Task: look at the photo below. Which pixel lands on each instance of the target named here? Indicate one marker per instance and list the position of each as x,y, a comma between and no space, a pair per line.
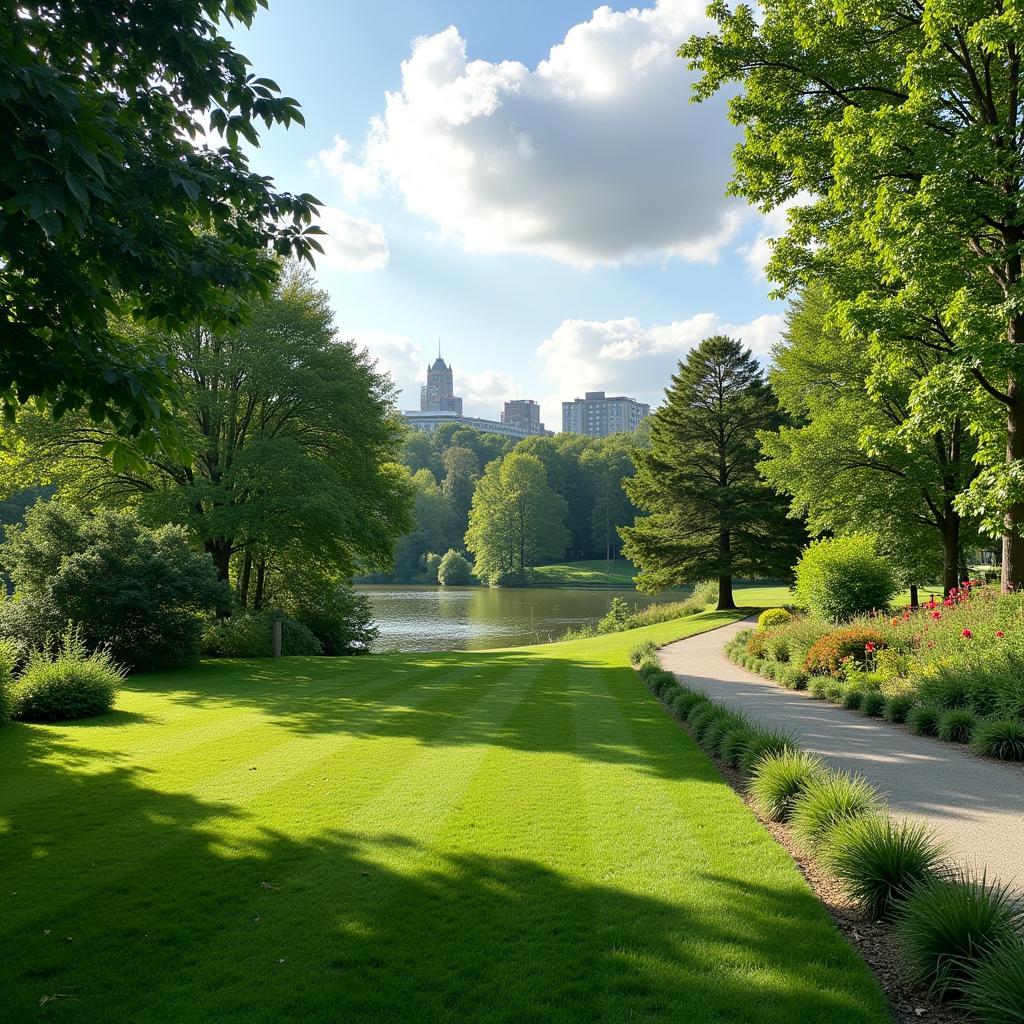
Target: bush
8,659
648,650
772,617
832,652
994,993
923,719
431,564
1000,737
141,593
778,647
720,728
843,577
339,618
853,698
71,683
791,678
948,925
827,800
616,618
703,718
700,701
685,700
734,744
779,778
957,726
897,708
764,744
453,570
872,704
880,861
756,645
941,683
705,593
819,687
248,634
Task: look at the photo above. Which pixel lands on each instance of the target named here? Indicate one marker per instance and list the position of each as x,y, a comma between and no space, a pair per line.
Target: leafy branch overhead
115,200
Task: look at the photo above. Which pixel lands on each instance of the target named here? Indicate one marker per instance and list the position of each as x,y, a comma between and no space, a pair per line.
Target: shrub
616,618
949,924
827,800
772,617
1000,737
339,618
704,718
778,647
843,577
819,687
642,652
734,744
431,564
719,730
957,726
880,861
872,704
141,593
705,593
941,683
695,706
764,744
994,993
250,635
779,778
685,700
648,666
8,658
896,709
453,570
853,698
923,719
756,645
830,653
70,683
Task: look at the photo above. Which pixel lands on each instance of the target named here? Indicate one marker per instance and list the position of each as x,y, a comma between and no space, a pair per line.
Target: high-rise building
599,415
438,394
525,414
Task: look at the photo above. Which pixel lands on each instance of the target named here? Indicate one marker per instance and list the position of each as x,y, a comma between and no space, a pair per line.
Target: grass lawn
593,573
516,836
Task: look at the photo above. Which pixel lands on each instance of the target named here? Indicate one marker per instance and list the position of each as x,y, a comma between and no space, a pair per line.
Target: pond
471,618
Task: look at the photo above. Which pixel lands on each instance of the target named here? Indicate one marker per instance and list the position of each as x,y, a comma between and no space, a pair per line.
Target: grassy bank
515,835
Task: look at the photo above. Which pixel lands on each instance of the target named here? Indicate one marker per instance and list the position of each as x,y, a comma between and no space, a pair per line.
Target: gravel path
975,806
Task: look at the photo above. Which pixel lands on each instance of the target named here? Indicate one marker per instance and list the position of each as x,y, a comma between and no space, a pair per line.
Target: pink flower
936,614
967,634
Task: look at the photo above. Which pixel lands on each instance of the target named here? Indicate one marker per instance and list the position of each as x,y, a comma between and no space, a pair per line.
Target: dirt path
975,806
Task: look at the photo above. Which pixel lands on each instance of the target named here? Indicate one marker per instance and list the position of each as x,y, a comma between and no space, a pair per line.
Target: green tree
608,464
516,520
709,515
293,435
901,125
854,461
435,526
109,205
461,470
454,570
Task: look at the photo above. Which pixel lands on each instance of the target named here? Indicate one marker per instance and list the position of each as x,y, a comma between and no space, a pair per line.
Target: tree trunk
261,579
219,550
725,600
1013,521
914,602
243,581
950,552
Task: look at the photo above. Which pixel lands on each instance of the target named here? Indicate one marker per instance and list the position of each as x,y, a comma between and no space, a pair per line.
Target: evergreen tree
709,513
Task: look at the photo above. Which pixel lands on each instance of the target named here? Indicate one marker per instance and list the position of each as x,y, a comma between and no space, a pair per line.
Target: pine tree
708,512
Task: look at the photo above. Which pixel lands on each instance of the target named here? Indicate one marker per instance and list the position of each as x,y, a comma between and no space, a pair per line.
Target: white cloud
626,357
772,225
595,155
352,243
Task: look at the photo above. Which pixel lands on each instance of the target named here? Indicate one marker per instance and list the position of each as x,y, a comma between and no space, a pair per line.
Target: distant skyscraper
598,415
525,414
438,394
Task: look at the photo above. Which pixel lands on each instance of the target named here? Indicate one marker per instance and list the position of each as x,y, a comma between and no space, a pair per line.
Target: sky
527,184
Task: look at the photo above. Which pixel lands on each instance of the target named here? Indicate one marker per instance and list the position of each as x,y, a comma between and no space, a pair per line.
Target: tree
293,435
454,570
461,470
901,125
854,461
709,513
110,206
435,526
608,463
516,520
139,590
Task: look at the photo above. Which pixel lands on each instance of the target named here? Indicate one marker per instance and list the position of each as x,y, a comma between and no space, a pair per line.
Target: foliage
140,591
827,800
772,617
881,861
643,652
994,993
923,719
708,513
840,578
339,618
779,778
70,683
949,924
516,520
113,203
247,634
616,618
705,593
957,725
765,744
8,659
436,529
999,737
832,652
454,570
872,704
897,708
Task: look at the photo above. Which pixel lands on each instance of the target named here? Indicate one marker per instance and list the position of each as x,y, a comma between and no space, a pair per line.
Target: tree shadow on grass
174,908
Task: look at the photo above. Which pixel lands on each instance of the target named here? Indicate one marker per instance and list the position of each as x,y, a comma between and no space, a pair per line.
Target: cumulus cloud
593,156
772,225
626,357
352,243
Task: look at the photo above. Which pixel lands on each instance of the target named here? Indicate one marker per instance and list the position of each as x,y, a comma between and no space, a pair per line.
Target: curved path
975,806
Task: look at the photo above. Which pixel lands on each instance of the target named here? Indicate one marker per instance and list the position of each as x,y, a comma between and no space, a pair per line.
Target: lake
471,618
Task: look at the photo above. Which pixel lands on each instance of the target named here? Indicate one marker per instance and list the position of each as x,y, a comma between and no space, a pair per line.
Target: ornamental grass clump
717,733
647,651
897,708
994,993
702,718
734,745
779,778
958,725
872,704
923,719
880,861
949,925
826,801
765,744
1002,738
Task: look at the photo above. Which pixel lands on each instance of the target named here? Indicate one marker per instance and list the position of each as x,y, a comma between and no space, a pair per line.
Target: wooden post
276,628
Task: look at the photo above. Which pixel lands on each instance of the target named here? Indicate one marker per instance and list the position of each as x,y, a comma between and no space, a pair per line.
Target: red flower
936,614
869,647
1000,633
967,634
895,622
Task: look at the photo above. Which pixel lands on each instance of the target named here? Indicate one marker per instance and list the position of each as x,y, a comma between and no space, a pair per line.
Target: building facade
525,414
438,394
598,414
429,421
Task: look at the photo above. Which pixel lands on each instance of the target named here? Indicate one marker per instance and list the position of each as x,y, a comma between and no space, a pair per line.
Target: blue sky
526,181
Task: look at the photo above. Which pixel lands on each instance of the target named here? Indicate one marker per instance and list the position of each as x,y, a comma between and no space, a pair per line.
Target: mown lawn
514,836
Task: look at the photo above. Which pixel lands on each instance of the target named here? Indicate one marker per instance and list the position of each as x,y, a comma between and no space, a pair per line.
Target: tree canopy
709,514
118,200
